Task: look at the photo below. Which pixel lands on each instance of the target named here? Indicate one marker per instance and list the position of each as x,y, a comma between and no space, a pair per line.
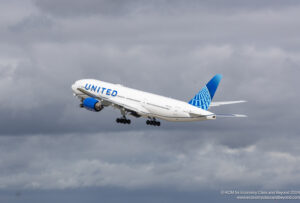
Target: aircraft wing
213,104
129,106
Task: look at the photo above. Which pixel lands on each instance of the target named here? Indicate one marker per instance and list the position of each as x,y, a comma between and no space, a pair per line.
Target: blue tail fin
205,95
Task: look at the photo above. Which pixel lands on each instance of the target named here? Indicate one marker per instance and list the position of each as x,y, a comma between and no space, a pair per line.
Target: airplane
95,95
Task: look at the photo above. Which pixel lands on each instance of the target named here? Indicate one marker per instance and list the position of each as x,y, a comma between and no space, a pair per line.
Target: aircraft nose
74,86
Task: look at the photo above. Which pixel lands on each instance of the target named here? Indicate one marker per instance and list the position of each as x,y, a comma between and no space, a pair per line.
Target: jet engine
92,104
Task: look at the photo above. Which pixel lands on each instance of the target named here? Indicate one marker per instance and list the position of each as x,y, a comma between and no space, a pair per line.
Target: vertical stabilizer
205,95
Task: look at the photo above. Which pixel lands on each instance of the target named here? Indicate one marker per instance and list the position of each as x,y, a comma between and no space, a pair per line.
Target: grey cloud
47,45
32,22
139,160
45,96
132,7
89,7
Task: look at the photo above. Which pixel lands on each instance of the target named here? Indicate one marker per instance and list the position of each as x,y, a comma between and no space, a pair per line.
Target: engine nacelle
92,104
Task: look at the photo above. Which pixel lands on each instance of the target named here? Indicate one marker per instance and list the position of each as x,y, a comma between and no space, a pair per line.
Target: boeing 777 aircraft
96,94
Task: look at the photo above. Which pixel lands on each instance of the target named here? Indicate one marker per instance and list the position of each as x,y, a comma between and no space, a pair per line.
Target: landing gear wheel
153,122
123,120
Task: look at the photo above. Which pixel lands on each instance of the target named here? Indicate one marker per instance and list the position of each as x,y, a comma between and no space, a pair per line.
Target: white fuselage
147,105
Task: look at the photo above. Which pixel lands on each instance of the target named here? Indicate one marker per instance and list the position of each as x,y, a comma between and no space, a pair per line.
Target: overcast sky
51,150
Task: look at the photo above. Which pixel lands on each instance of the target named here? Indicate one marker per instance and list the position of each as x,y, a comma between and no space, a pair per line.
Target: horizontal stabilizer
225,103
231,115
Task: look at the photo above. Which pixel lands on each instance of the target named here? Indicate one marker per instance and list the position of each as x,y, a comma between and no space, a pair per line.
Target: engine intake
92,104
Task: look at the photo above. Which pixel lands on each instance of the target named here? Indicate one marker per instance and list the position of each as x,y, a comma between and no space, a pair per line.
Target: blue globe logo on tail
205,95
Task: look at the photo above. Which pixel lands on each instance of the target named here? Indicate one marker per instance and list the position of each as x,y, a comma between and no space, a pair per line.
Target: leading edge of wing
136,108
221,103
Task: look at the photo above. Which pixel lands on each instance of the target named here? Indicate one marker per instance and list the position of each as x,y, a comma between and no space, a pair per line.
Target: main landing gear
123,120
153,122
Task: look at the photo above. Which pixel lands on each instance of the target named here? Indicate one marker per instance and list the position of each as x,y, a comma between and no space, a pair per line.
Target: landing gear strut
153,122
123,120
